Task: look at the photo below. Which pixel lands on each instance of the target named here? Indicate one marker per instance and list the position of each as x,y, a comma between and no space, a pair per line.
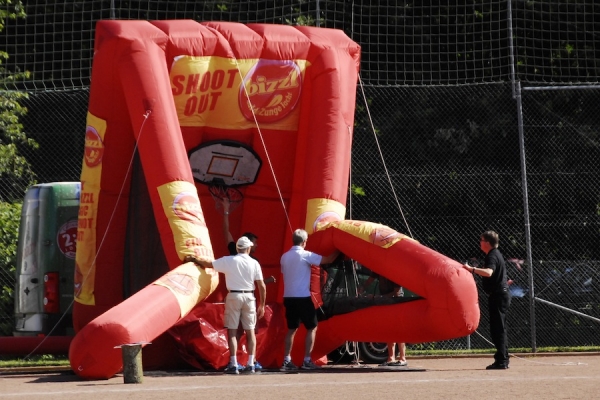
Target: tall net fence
442,164
407,43
562,148
444,145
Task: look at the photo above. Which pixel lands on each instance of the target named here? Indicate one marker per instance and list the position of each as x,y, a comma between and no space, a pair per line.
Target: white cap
244,243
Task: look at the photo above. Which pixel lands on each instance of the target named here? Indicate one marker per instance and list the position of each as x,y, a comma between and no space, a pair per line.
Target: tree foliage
9,227
15,171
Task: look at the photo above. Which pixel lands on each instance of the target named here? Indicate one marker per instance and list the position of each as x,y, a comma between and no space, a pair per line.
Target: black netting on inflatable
347,286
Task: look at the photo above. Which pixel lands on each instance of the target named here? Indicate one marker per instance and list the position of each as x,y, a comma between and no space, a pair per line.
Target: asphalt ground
563,376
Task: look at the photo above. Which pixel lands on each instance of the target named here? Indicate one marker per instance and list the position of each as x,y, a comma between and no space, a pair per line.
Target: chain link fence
442,164
562,132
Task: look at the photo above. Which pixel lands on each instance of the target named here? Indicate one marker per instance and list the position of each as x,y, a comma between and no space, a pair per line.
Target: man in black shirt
496,287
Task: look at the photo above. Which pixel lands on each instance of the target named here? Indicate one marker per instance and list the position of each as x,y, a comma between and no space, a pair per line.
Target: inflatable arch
177,106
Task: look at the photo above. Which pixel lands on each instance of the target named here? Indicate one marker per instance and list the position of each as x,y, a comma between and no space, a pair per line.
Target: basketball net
220,192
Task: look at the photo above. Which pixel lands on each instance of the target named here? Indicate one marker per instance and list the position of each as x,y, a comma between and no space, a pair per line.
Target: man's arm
200,263
330,258
226,233
262,294
485,272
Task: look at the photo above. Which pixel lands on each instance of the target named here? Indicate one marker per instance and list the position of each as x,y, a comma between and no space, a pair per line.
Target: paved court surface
575,376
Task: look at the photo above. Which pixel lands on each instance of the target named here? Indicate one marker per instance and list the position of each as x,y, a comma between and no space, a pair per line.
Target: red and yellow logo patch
270,91
94,148
187,207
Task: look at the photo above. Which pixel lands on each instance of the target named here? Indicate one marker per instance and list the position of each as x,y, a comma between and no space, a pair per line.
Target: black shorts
300,309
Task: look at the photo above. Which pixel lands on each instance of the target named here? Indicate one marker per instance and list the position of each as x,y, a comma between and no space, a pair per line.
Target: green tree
15,172
9,228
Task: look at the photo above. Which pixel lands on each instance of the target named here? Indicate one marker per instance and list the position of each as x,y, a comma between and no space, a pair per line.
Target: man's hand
200,263
260,312
190,259
270,279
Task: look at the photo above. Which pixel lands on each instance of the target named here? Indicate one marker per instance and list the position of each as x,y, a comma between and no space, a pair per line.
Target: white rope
350,183
262,140
533,354
382,159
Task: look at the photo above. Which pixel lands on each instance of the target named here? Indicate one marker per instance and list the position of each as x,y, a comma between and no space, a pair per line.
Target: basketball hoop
220,192
223,166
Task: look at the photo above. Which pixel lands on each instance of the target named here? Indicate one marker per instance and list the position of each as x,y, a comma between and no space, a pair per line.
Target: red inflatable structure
179,110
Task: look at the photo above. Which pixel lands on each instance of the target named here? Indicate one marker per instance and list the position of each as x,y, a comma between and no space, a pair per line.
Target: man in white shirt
296,269
241,273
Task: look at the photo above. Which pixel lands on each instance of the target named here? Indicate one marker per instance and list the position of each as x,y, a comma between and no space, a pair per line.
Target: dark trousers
498,304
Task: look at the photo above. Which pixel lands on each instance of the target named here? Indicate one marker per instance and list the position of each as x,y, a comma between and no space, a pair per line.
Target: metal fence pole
517,96
527,224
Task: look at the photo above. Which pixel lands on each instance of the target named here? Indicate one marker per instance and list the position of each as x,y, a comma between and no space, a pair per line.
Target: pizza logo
270,91
187,207
66,238
94,148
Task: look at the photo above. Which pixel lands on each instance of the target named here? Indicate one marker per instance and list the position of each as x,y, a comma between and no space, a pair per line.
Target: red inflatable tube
139,319
449,306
